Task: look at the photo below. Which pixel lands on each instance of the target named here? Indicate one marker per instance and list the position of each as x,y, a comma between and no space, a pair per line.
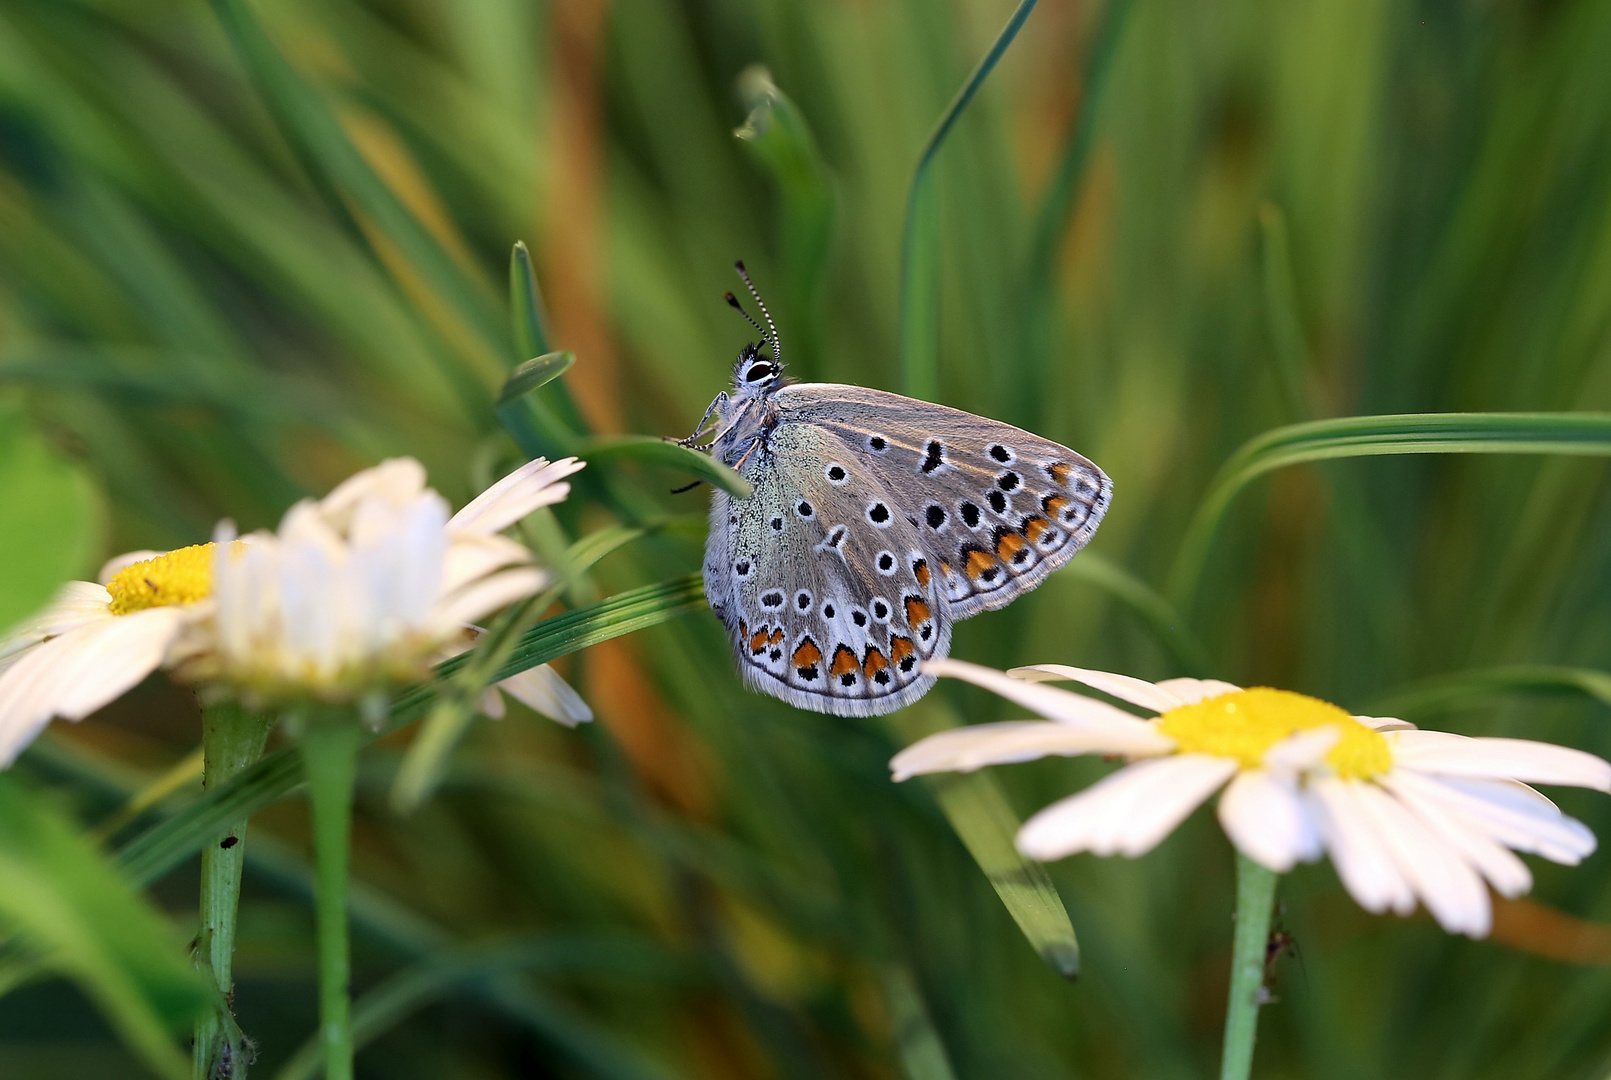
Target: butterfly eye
758,372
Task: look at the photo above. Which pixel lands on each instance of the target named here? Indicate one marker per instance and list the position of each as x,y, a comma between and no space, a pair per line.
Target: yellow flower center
1244,724
180,577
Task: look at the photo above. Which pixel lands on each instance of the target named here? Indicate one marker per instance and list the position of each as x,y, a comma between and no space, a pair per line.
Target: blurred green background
249,247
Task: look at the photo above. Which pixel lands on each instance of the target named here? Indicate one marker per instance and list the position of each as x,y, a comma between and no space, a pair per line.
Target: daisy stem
330,745
232,738
1255,900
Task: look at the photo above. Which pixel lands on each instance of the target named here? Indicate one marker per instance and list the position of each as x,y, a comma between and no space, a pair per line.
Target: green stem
232,739
330,745
1255,899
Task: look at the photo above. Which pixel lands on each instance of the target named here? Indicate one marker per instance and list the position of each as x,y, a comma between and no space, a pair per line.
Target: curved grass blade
1154,610
1056,210
920,269
158,850
530,331
984,821
1433,695
921,1050
1281,313
777,136
666,455
1369,436
527,415
438,976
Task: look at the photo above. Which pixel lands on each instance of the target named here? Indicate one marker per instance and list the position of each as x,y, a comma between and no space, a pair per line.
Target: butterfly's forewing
997,508
825,586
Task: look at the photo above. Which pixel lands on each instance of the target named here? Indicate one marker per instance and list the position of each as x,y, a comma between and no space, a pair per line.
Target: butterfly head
755,374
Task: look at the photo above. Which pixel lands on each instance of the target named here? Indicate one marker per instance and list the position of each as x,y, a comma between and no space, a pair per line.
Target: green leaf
1436,694
1370,436
777,136
667,455
63,900
526,304
920,272
527,414
978,810
51,527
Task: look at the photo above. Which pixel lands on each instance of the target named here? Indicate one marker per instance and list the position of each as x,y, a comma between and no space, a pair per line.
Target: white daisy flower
1405,814
371,583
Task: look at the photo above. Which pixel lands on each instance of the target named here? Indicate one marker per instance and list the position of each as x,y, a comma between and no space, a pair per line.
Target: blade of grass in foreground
978,811
1443,691
920,243
155,852
1369,436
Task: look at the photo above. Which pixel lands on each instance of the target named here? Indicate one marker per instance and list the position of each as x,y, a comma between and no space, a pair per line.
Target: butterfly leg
699,428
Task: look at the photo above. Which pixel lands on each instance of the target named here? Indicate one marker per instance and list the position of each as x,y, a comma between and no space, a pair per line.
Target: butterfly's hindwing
997,508
826,587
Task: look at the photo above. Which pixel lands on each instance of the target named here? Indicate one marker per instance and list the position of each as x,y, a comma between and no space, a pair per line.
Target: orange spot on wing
758,642
777,636
921,570
917,612
844,662
875,661
1055,504
1035,528
1009,545
1059,472
900,648
978,563
806,655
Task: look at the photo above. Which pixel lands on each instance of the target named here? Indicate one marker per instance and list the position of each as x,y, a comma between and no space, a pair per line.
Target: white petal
1451,890
1124,687
492,704
1508,812
542,690
1503,870
1385,723
1128,812
1367,868
72,675
110,568
470,557
1265,819
1191,691
1302,751
965,749
482,598
75,603
1499,759
1059,705
536,483
395,482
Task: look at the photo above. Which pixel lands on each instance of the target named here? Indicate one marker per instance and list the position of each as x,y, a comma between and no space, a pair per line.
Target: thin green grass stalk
329,745
232,739
1255,902
920,272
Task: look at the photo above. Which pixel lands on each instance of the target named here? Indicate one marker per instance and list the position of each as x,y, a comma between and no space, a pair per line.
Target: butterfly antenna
777,352
733,300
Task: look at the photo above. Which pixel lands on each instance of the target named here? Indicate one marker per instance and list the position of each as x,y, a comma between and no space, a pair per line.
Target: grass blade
526,413
1433,695
918,1044
667,455
920,271
1370,436
158,850
984,821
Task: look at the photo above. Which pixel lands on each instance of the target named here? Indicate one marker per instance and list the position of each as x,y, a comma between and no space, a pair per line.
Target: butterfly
876,522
